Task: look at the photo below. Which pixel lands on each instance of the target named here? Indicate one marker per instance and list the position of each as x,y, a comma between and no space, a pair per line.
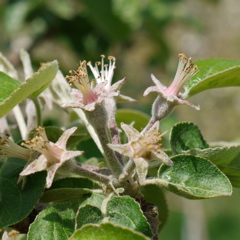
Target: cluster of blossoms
97,98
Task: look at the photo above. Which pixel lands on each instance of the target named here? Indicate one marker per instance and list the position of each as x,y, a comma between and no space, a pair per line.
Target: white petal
154,129
158,83
67,155
37,165
141,168
121,148
116,86
64,137
150,89
162,156
132,133
51,171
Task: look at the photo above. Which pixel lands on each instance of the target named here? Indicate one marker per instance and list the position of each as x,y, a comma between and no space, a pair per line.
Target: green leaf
226,158
213,73
121,220
185,136
94,200
17,203
67,213
7,86
154,195
129,116
48,225
123,211
60,218
194,178
129,208
31,88
64,194
53,133
88,214
106,231
72,183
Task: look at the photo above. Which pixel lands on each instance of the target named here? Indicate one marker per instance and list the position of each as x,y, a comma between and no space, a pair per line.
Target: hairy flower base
170,96
53,155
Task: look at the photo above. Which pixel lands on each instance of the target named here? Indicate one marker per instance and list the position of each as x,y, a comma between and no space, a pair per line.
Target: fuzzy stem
78,169
38,111
161,108
128,169
98,120
110,106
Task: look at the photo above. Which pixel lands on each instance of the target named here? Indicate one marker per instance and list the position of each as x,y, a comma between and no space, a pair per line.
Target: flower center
186,69
80,79
41,144
143,146
106,72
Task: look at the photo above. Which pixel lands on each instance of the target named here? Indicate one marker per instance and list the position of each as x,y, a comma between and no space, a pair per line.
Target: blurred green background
145,36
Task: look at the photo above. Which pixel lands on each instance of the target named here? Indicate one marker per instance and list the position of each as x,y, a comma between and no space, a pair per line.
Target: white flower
53,155
89,93
142,145
186,69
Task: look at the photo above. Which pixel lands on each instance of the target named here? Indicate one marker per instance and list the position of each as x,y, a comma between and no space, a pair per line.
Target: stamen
10,149
186,69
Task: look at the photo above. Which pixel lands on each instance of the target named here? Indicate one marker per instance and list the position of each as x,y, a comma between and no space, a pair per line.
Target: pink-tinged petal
99,88
90,107
73,105
70,154
158,154
172,96
64,137
141,169
124,149
123,98
131,132
51,171
77,94
182,101
37,165
159,85
117,85
105,95
150,89
154,129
